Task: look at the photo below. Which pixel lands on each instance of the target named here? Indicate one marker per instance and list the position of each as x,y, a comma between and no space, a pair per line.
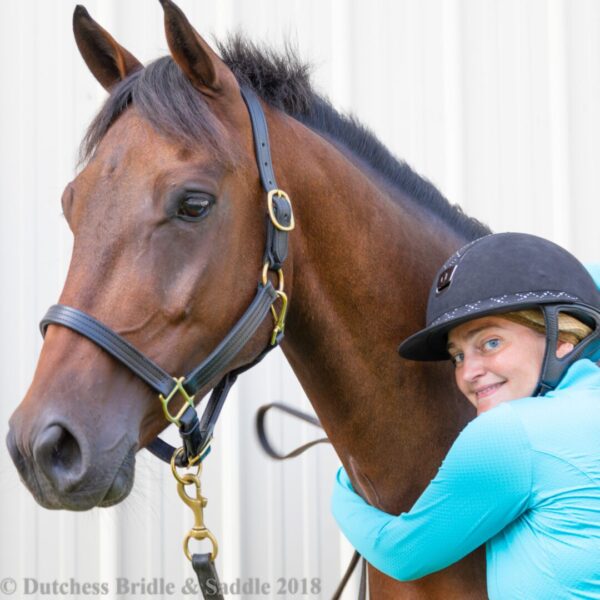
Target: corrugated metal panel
495,101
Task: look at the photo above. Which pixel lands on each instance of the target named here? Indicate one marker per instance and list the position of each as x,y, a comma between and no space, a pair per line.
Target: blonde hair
570,329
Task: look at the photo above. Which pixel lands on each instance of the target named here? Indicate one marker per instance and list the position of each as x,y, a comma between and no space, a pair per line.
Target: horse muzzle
60,471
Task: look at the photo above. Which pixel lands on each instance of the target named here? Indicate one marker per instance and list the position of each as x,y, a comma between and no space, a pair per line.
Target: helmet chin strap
554,368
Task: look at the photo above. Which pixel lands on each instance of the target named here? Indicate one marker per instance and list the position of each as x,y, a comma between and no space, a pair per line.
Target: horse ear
106,59
202,66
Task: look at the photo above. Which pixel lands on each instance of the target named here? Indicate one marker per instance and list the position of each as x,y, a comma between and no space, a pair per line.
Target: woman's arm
483,484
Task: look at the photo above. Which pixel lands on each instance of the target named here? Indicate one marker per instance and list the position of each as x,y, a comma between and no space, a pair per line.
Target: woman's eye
457,359
194,208
491,344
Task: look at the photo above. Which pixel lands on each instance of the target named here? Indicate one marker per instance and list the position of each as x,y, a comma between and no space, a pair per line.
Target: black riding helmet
503,272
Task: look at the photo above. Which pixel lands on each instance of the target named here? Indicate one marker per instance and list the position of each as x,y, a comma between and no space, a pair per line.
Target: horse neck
361,264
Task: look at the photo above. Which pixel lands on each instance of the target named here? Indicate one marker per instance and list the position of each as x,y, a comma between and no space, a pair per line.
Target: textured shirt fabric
523,478
594,270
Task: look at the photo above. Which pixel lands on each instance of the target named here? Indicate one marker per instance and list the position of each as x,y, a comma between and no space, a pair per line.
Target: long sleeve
483,484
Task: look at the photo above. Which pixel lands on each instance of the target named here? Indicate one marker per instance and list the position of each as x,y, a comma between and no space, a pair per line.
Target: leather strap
145,368
261,139
234,341
277,240
197,438
208,579
362,586
268,448
262,434
554,368
112,342
165,451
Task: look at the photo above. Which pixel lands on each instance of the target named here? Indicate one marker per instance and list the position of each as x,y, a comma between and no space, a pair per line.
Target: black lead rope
208,578
264,440
268,448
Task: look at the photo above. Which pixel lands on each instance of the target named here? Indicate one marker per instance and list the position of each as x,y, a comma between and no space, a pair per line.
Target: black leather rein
197,434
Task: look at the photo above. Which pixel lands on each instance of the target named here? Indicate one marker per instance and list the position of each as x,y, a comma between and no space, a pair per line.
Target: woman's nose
473,367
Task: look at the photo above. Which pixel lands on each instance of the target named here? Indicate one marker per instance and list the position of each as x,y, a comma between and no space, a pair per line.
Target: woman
520,319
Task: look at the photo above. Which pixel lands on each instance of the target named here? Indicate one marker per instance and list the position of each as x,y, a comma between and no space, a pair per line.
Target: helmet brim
429,344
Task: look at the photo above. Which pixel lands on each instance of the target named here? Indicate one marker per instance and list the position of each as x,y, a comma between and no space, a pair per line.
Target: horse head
168,247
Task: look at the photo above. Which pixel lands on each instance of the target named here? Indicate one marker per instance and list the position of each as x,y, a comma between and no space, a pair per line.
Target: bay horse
168,219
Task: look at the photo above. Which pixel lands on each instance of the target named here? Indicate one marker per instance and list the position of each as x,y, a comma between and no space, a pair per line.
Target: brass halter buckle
276,223
197,504
189,401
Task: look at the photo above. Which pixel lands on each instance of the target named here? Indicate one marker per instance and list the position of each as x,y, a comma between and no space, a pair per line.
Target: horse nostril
58,455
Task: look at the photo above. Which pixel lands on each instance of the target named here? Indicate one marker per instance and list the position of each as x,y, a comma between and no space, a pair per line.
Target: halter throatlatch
196,434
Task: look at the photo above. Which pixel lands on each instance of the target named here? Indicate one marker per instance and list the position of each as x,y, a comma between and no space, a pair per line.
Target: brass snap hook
199,531
278,318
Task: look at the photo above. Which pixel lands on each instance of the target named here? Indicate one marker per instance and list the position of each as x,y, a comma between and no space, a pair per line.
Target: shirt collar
582,373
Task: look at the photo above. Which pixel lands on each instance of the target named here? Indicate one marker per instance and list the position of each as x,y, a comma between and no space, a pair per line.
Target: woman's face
497,360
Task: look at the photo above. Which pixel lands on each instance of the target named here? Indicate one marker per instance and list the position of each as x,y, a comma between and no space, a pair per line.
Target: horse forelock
166,98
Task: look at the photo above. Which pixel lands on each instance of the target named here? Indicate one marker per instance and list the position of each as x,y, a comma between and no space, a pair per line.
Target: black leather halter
197,434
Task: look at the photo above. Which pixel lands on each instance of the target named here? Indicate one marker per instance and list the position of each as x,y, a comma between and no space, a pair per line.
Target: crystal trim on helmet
512,299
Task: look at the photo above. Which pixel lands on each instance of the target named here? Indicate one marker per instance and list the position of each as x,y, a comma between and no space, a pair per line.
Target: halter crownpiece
503,272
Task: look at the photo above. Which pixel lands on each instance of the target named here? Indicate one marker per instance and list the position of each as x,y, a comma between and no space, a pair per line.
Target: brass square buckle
189,401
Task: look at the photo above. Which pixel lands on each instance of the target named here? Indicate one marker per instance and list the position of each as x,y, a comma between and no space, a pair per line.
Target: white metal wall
495,101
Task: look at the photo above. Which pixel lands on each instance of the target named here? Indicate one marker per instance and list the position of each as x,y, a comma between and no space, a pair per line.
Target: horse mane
164,97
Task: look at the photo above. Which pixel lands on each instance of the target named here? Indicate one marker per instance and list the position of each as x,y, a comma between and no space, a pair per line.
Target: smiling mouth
488,391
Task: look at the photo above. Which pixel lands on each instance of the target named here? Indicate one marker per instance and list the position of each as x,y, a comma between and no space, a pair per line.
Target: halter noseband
197,434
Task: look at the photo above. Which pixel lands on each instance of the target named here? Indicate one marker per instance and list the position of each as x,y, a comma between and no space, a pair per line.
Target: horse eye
194,207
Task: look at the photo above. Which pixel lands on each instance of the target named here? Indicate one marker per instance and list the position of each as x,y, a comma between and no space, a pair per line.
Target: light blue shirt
524,478
594,270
